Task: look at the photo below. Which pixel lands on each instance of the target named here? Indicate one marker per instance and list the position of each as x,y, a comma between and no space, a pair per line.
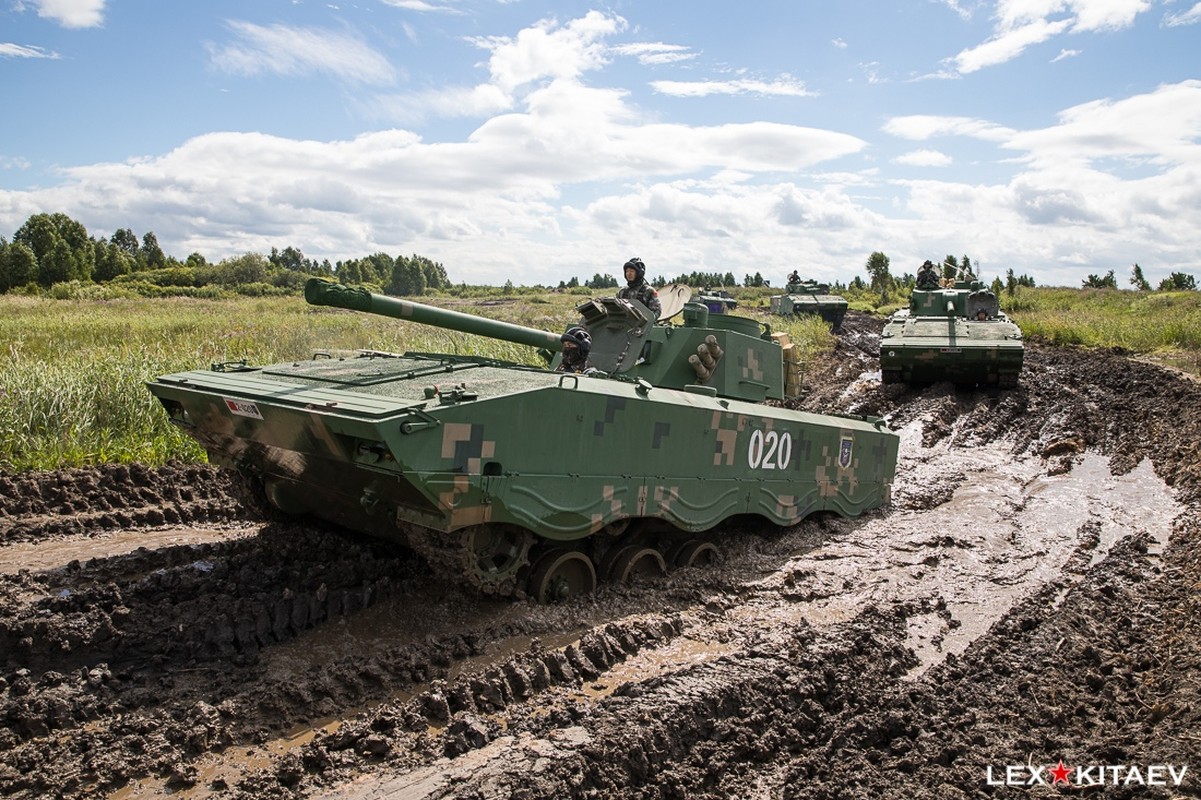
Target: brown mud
1033,596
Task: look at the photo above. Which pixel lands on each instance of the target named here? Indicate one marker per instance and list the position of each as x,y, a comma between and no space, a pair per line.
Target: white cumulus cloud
72,13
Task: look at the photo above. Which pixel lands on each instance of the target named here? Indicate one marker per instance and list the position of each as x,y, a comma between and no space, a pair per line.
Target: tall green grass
1162,325
73,372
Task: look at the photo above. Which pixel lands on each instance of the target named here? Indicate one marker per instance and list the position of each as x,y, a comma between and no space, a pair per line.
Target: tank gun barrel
320,292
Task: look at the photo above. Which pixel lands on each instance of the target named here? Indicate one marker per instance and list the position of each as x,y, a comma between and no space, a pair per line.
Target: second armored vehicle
810,297
718,301
957,334
524,479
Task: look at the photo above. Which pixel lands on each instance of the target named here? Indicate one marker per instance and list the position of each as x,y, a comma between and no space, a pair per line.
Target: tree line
1175,282
883,283
696,278
51,249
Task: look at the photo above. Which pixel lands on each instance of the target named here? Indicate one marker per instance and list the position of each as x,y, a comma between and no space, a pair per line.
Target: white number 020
769,450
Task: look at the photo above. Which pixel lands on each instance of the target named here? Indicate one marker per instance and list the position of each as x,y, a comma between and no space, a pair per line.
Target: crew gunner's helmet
638,267
580,338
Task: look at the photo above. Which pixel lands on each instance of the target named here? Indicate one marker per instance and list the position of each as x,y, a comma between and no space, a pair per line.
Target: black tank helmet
580,338
638,267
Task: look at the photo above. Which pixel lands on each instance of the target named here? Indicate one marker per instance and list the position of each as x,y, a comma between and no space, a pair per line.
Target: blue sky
533,141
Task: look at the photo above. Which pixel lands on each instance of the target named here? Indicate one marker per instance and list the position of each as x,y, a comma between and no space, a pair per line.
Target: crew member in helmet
637,288
928,277
577,343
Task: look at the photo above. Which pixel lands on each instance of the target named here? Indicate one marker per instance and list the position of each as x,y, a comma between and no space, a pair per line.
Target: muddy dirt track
1032,599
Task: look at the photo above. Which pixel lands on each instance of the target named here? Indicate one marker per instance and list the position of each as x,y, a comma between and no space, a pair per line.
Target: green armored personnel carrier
957,334
810,297
524,479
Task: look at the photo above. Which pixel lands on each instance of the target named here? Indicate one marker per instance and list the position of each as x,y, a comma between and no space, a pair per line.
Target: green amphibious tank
810,297
524,479
957,334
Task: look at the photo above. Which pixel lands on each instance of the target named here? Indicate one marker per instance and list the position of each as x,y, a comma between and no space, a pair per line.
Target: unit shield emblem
846,448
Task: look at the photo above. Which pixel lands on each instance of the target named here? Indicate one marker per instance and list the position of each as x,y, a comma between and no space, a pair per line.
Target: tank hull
562,456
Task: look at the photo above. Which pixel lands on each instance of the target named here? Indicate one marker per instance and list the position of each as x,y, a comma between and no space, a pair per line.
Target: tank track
451,554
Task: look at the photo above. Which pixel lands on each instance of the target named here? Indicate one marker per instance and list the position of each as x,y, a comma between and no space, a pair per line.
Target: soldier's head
577,343
634,270
927,265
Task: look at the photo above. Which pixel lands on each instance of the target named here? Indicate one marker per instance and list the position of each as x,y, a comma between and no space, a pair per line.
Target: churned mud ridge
451,718
108,638
192,603
701,730
88,500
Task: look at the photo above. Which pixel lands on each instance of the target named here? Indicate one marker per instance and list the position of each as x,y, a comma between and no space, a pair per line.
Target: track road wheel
695,554
495,554
632,561
560,575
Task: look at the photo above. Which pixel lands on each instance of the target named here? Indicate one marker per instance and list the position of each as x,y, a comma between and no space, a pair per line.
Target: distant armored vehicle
810,297
718,301
519,479
957,334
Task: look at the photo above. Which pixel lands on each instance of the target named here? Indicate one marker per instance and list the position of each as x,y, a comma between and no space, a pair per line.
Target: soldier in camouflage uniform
928,277
637,288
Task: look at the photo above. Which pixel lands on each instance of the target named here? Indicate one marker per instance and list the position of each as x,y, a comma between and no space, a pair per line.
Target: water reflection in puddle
1007,530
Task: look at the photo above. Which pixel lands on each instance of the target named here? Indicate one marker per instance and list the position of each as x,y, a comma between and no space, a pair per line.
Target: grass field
1143,322
73,372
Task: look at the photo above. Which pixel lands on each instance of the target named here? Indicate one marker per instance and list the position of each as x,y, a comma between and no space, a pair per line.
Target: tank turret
529,480
735,357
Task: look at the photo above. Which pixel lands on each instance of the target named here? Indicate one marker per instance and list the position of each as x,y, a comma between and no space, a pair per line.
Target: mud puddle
1005,532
